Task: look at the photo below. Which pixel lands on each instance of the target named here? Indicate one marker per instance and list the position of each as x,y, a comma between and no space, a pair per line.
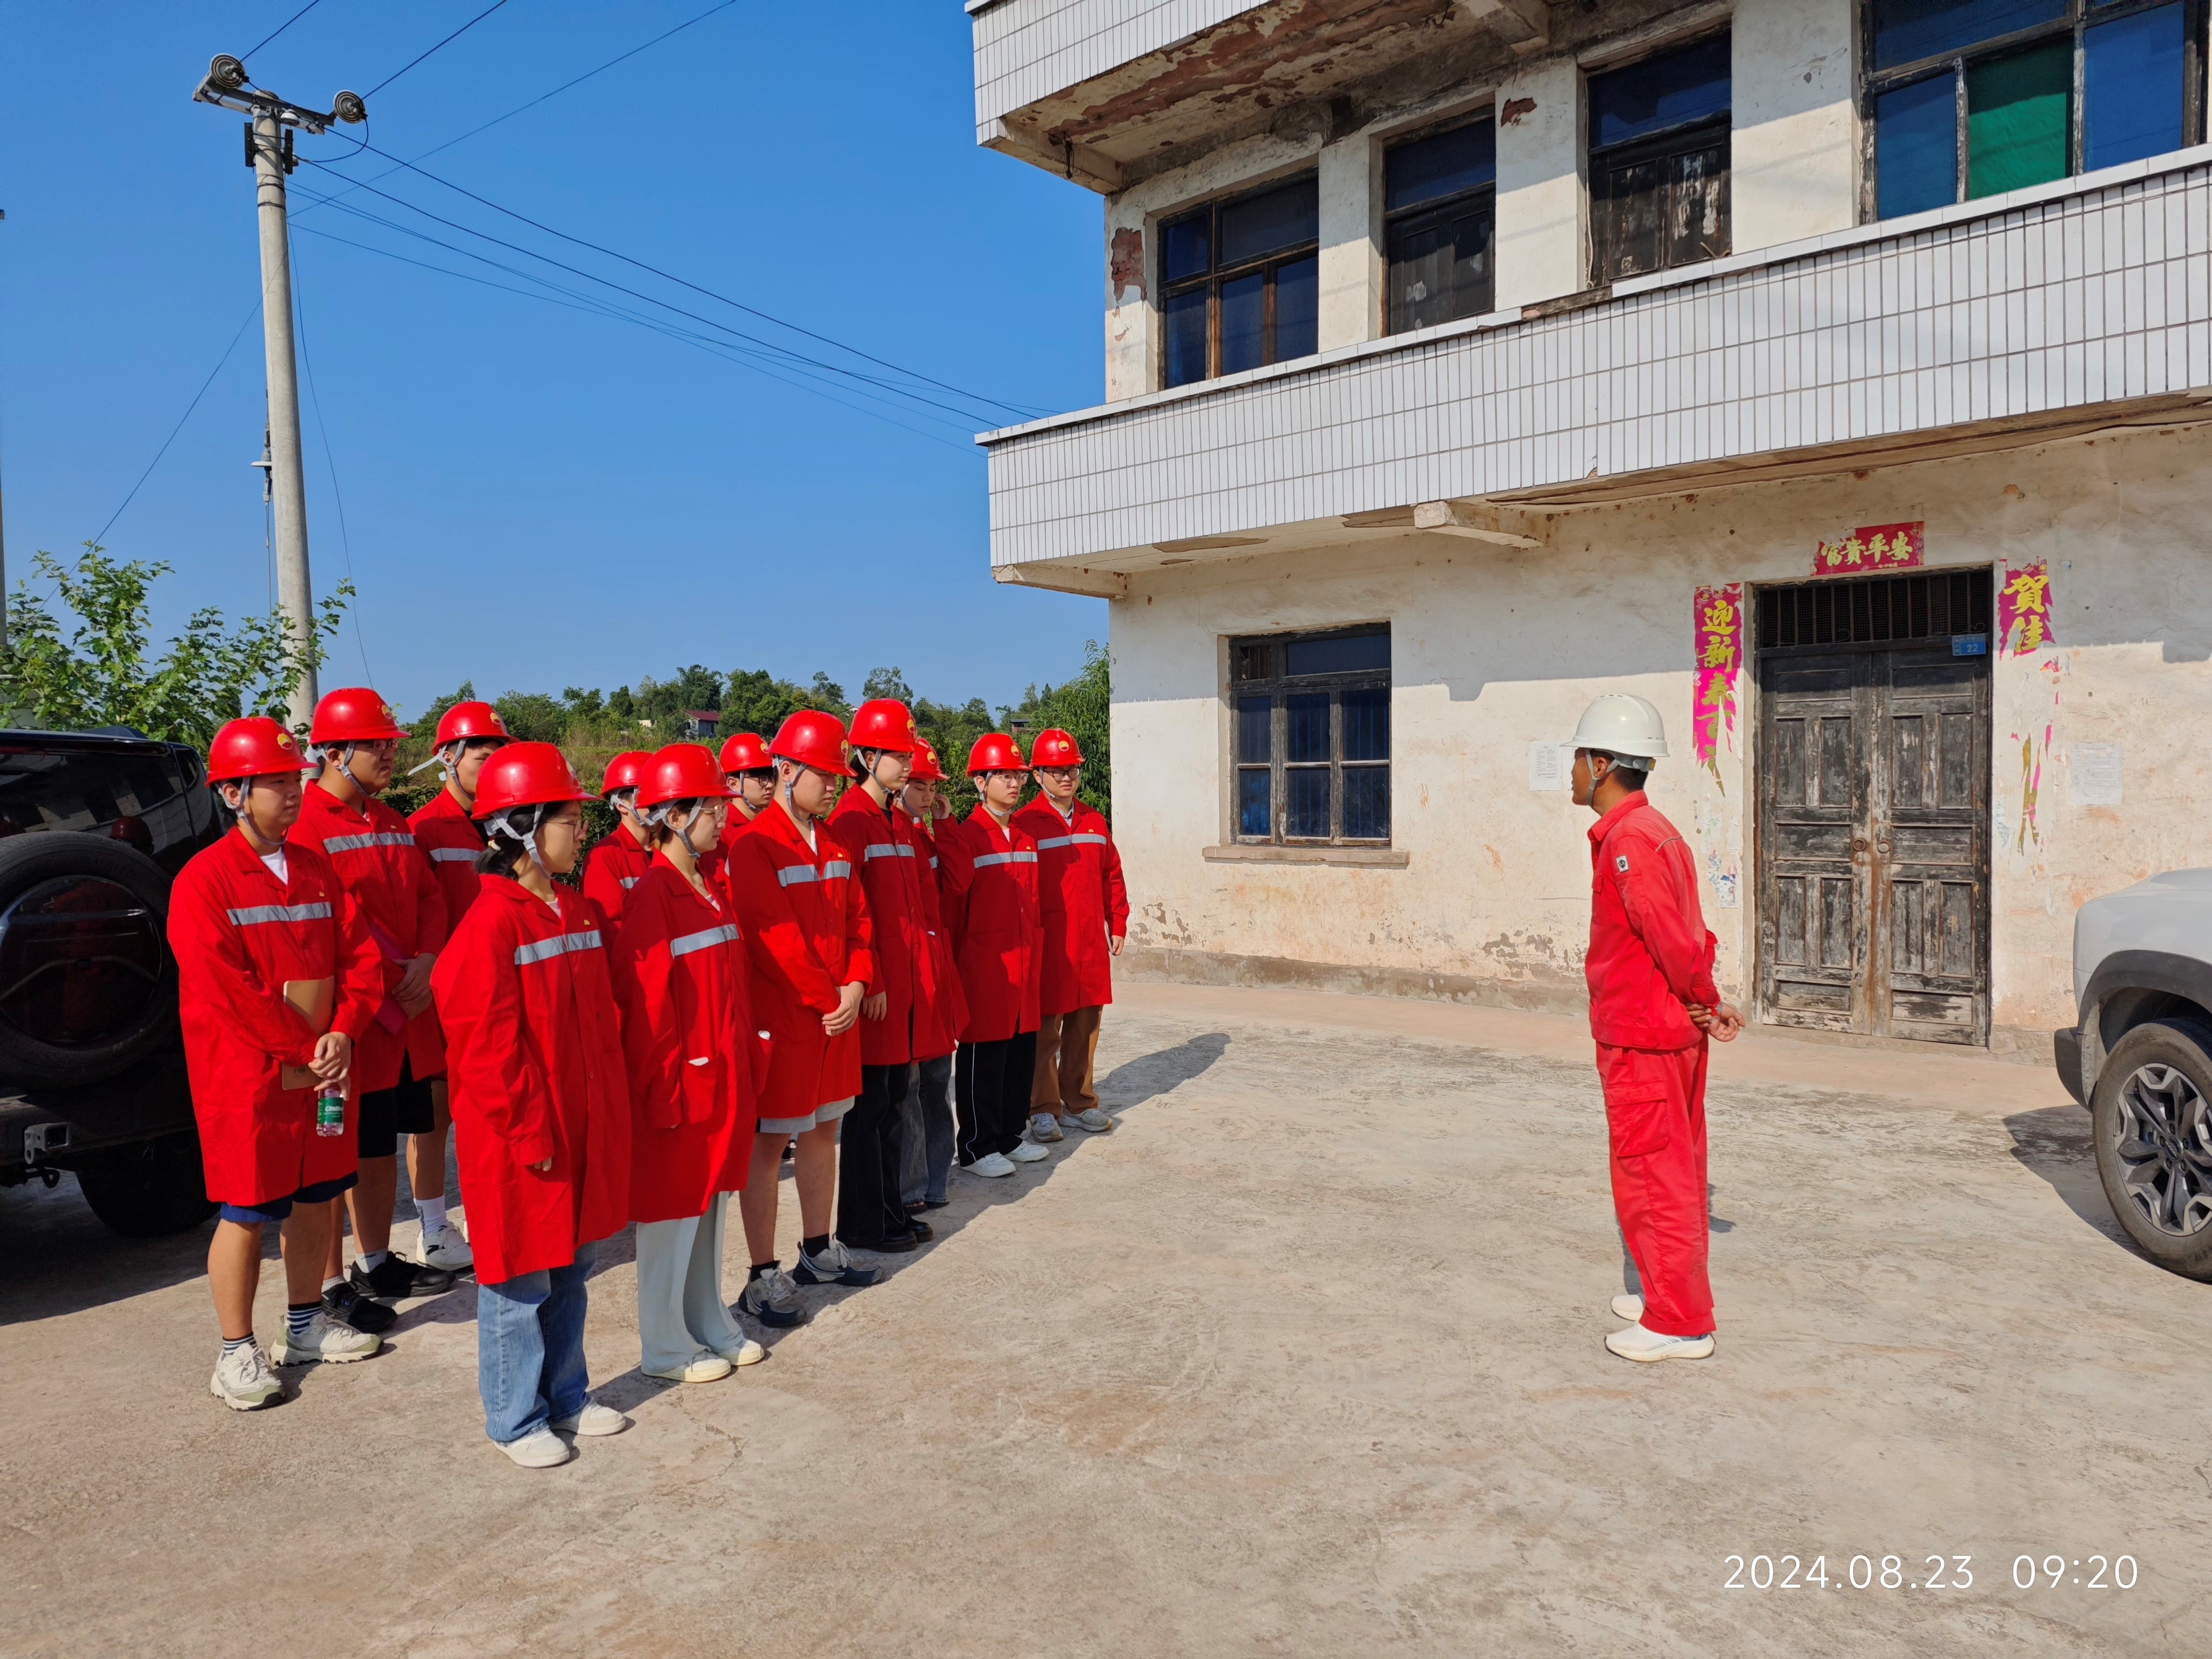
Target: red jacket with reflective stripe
688,1029
1649,953
612,870
806,924
451,841
997,931
891,877
374,855
939,1007
537,1071
1084,901
239,934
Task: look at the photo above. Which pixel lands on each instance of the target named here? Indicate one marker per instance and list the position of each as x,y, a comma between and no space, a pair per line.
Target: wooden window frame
2081,16
1694,136
1216,274
1394,217
1277,687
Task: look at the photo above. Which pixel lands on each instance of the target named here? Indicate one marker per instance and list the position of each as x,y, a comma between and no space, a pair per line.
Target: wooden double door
1874,839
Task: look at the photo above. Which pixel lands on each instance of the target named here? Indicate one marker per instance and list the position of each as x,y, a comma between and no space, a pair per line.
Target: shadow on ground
2053,1142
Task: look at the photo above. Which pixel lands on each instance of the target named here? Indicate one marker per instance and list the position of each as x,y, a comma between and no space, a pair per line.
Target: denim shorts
277,1209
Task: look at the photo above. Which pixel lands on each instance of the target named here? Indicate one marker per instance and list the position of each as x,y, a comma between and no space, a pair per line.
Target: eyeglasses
1060,774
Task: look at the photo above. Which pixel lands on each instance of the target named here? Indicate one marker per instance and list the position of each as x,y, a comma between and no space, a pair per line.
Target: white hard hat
1620,723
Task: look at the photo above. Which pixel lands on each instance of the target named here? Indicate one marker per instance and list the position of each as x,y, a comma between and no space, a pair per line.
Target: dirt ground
1304,1360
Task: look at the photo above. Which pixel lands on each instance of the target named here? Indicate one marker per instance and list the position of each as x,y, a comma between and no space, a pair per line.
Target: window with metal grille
1240,283
1439,213
1311,719
1968,98
1875,610
1659,161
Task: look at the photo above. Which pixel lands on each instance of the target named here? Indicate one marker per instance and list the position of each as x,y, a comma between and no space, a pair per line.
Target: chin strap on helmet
504,824
445,761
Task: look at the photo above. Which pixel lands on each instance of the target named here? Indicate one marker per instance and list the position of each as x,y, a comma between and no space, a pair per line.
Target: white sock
432,1211
372,1262
328,1283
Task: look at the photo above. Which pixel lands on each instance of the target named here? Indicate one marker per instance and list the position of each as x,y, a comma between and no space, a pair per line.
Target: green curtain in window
2019,117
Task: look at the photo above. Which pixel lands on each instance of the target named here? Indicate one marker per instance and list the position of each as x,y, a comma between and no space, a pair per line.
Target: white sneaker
744,1351
1646,1346
593,1419
1028,1152
704,1366
1091,1118
1043,1126
1628,1306
243,1381
541,1448
992,1165
325,1339
447,1251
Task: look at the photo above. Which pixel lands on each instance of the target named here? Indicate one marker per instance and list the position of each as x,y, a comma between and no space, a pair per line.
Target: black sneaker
835,1266
395,1277
923,1233
344,1303
891,1244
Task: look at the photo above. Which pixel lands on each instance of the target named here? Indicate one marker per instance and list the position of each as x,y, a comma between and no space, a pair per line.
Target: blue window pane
1305,811
1906,31
1271,221
1243,309
1916,140
1253,814
1306,730
1366,726
1298,309
1185,325
1671,90
1430,169
1255,729
1367,803
2131,79
1183,250
1344,654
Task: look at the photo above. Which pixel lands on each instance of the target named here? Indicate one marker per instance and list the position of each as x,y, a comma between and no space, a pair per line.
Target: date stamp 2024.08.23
1953,1573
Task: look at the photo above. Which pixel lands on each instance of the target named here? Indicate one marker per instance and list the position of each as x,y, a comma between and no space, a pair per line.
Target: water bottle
330,1114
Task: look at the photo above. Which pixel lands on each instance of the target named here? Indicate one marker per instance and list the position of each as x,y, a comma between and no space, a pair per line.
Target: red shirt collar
1603,827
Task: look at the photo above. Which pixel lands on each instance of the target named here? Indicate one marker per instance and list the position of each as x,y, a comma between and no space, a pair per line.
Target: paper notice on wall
1551,765
2095,769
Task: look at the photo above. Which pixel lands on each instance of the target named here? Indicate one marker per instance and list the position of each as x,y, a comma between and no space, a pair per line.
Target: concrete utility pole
269,150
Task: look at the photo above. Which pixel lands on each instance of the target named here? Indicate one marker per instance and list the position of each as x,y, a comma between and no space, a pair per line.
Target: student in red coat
1653,1004
998,938
751,773
1086,916
541,1103
468,733
688,1029
939,1010
375,855
618,862
276,979
807,926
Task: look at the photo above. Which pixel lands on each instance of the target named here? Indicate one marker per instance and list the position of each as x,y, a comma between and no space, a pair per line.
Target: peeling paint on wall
1515,108
1125,266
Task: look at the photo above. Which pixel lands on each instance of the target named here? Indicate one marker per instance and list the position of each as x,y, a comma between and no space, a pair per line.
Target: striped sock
233,1344
297,1319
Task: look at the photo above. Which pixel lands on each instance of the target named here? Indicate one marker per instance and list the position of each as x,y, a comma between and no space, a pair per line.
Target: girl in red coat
617,862
688,1029
541,1103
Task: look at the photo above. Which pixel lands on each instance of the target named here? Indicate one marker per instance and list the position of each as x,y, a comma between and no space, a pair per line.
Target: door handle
1858,846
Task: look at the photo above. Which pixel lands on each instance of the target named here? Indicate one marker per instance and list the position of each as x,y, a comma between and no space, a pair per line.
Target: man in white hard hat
1653,1004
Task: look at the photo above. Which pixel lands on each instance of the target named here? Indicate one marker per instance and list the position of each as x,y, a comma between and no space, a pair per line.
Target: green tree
887,682
101,671
1082,708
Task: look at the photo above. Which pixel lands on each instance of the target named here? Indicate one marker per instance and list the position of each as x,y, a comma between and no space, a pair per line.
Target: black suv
92,826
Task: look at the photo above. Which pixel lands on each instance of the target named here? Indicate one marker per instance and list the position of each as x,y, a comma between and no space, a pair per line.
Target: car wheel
143,1191
2152,1117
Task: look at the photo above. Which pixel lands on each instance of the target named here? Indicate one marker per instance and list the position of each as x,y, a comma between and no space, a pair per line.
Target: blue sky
535,496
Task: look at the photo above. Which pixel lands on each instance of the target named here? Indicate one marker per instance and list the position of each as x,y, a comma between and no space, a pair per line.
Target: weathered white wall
1542,238
1493,647
1793,149
1131,317
1351,261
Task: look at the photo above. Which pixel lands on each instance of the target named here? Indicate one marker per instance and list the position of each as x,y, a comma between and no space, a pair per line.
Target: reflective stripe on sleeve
882,849
794,875
834,868
546,948
1071,840
684,943
257,913
628,882
1006,858
357,843
452,855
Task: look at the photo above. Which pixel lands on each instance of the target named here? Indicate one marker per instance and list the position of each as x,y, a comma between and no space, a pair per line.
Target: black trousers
991,1092
870,1157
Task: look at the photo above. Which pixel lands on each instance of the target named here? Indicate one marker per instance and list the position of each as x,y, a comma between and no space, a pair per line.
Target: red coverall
696,1060
891,877
612,868
374,855
997,930
1083,901
939,1009
239,935
807,926
451,841
535,1071
1650,954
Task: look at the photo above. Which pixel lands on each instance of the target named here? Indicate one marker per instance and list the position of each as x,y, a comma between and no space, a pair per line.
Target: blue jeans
530,1348
927,1111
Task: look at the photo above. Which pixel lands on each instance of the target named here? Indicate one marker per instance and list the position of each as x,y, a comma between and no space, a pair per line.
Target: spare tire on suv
87,984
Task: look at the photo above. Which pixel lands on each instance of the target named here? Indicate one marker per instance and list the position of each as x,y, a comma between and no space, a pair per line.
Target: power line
181,419
441,46
286,24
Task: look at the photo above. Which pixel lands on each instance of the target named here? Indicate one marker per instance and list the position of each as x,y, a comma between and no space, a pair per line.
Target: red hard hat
1054,747
252,748
525,774
994,751
682,771
355,715
813,738
926,766
625,771
471,720
884,723
745,752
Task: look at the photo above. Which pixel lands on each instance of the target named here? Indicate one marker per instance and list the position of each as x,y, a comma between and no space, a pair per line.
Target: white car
2140,1058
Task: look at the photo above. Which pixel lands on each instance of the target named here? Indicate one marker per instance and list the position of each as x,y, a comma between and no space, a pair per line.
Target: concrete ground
1304,1360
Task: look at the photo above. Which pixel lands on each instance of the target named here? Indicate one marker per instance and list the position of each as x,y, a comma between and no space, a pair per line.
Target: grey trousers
927,1113
680,1308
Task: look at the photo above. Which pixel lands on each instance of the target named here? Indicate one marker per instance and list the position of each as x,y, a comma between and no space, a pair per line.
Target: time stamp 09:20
1936,1572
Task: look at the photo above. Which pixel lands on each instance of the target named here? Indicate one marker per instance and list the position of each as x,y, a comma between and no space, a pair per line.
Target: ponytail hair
503,849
